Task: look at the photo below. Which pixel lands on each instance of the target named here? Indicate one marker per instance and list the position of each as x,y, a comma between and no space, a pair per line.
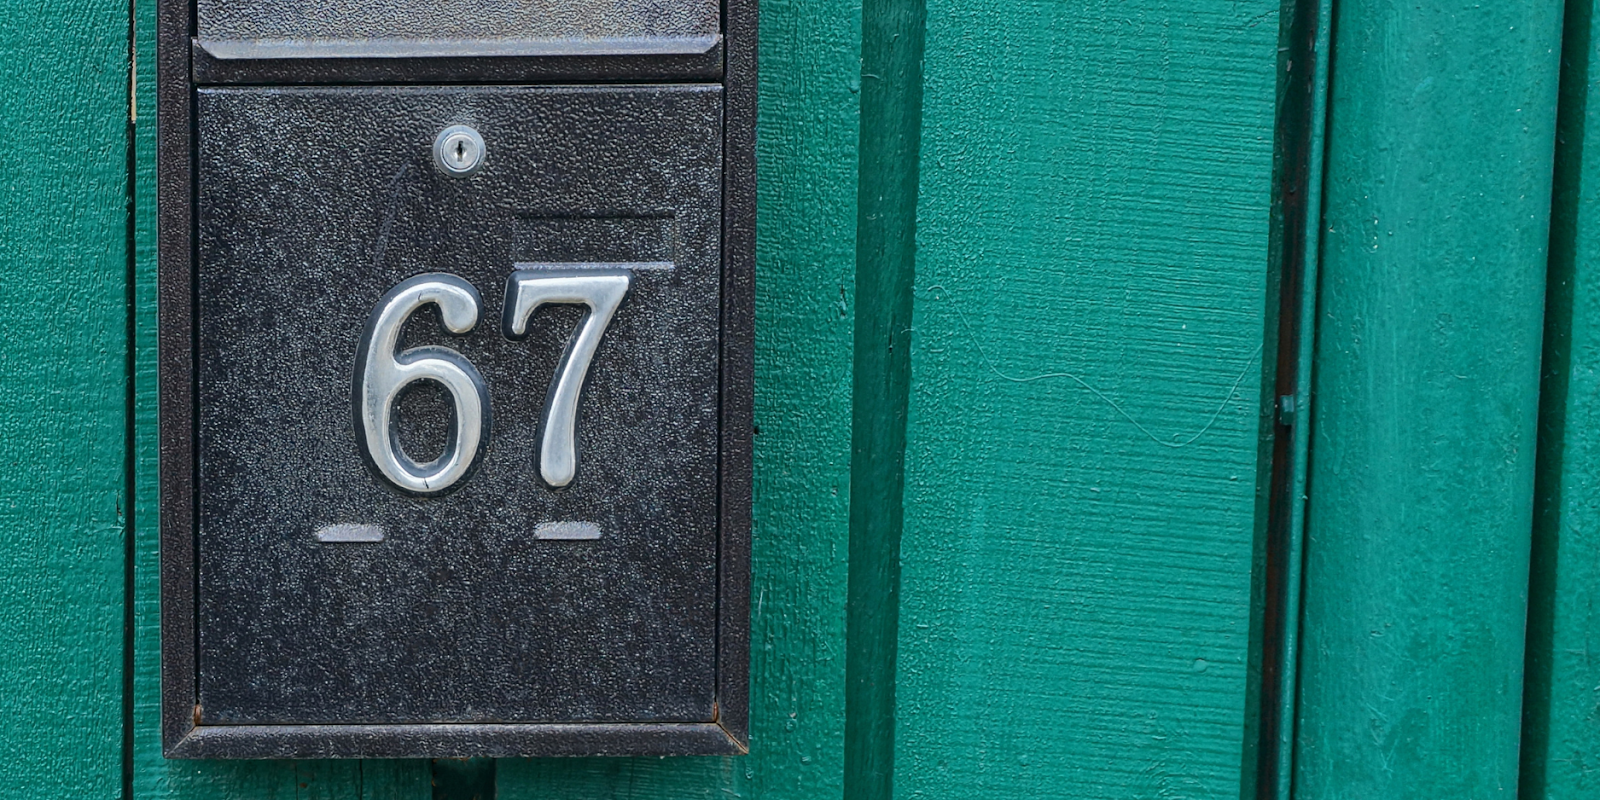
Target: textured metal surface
519,57
461,614
736,469
462,67
419,28
457,741
175,352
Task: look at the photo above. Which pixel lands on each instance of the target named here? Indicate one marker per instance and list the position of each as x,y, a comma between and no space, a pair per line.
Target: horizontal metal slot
496,47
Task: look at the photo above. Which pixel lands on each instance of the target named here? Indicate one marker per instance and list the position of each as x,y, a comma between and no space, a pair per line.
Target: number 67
381,373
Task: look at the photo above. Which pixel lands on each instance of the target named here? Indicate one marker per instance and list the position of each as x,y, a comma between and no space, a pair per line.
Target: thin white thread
1215,415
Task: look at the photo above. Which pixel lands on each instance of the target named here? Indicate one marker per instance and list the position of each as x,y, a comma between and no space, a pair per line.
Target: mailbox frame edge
182,736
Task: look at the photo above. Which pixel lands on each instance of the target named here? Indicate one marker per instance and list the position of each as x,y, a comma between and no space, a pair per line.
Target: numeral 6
381,374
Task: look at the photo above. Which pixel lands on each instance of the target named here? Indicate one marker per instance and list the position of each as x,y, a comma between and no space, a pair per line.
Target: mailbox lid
424,28
311,204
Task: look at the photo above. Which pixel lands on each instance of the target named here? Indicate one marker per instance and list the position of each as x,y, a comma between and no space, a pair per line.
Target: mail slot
334,28
455,391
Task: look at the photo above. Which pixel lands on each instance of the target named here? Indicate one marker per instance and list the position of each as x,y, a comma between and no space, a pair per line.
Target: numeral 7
602,291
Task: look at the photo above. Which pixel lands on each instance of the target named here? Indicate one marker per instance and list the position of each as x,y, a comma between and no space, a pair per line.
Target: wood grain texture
1561,697
886,254
1440,139
1082,467
63,411
806,180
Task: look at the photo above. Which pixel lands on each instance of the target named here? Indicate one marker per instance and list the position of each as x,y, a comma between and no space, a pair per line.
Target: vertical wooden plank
464,779
1560,728
63,412
806,150
886,252
395,780
1440,137
1083,461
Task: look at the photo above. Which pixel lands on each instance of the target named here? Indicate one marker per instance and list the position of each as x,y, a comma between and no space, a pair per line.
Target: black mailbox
455,377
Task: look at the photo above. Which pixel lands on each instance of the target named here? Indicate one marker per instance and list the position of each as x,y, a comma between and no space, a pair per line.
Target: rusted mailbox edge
456,741
180,66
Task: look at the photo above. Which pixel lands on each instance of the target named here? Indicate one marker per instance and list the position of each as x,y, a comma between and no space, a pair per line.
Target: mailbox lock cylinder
458,150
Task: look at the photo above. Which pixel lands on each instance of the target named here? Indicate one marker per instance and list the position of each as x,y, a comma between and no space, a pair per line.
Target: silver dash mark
566,530
350,532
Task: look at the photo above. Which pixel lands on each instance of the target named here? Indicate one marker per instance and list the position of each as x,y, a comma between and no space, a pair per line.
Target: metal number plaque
455,384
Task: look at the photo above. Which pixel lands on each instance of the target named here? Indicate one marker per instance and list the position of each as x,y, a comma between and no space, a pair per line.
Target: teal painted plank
1083,462
1440,139
63,411
464,779
281,780
1561,713
806,150
886,251
150,778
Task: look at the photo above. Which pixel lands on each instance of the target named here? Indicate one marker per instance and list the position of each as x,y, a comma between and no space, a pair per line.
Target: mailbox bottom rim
456,740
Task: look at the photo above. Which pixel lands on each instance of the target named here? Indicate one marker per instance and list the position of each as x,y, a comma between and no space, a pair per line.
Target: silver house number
601,292
381,373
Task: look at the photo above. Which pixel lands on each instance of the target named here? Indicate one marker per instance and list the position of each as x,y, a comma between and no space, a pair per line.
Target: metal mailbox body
310,608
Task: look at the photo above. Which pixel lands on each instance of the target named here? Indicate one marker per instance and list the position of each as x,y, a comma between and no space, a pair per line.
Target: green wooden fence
1154,400
1437,199
1562,683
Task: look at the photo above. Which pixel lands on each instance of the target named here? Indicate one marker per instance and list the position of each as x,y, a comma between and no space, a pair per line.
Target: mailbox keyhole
458,150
